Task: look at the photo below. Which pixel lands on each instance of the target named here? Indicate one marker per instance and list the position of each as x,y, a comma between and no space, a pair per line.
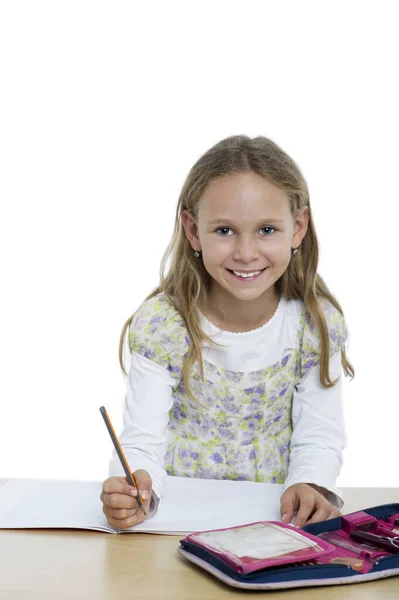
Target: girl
236,357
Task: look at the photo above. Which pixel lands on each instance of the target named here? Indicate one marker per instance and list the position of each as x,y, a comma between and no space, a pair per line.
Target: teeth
246,274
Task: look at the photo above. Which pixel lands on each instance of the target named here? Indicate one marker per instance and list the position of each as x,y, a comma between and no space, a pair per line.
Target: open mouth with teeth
246,274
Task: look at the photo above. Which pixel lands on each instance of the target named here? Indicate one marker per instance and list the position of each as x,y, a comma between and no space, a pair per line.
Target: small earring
196,254
295,250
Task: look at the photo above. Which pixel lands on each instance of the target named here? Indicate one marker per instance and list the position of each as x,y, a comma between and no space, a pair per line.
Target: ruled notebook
187,505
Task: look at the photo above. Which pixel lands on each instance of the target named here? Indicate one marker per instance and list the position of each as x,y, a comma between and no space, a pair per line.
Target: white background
105,106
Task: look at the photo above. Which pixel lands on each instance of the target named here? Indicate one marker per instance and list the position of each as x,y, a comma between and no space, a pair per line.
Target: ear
190,229
300,227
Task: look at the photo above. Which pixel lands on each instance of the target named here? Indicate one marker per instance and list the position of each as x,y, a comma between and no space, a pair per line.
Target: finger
306,507
144,483
126,523
146,503
334,513
329,512
288,505
121,514
119,501
321,514
117,485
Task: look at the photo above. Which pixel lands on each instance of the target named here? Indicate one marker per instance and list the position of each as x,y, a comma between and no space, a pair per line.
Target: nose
245,249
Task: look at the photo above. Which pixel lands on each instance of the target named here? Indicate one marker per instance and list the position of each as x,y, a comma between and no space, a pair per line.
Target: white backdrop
105,107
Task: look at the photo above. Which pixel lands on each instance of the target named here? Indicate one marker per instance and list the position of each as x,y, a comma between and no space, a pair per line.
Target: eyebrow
262,222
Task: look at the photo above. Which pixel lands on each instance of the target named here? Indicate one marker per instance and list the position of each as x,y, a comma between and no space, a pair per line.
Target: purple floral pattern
240,426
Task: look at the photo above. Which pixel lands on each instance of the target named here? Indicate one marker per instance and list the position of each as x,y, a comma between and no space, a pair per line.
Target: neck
227,312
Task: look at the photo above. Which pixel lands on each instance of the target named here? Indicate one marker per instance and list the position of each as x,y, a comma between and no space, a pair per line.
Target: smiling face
245,231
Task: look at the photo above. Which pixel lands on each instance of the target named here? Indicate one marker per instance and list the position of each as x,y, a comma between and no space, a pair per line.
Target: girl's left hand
305,499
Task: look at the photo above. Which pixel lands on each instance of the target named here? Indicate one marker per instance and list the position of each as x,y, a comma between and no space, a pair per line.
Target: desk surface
47,564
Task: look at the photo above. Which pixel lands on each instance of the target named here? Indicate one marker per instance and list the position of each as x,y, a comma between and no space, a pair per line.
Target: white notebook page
187,505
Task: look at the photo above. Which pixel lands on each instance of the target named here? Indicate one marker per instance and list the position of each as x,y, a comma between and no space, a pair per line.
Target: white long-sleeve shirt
284,348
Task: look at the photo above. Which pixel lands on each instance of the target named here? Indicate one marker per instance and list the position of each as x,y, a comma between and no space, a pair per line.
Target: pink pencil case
255,546
269,555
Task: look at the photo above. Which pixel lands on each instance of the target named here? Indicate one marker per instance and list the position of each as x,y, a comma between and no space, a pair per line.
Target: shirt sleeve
319,434
146,407
158,343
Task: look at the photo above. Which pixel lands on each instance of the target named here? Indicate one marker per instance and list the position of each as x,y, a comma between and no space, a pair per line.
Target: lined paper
187,505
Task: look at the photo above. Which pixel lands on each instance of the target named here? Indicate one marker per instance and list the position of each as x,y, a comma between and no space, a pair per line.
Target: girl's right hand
119,500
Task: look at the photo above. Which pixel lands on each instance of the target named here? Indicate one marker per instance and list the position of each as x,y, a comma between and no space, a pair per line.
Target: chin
250,294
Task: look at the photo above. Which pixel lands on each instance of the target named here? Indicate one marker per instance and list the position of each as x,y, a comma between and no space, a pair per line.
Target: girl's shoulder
296,308
335,321
337,333
157,330
157,311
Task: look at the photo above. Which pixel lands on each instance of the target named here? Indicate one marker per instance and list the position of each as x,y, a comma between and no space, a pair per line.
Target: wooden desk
71,564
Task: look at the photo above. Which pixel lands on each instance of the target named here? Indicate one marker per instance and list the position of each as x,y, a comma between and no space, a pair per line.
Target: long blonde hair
187,282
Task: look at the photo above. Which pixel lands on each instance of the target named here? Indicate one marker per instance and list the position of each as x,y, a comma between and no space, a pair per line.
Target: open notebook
186,505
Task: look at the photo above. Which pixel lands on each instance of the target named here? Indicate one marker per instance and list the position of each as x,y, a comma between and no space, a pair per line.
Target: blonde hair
187,282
